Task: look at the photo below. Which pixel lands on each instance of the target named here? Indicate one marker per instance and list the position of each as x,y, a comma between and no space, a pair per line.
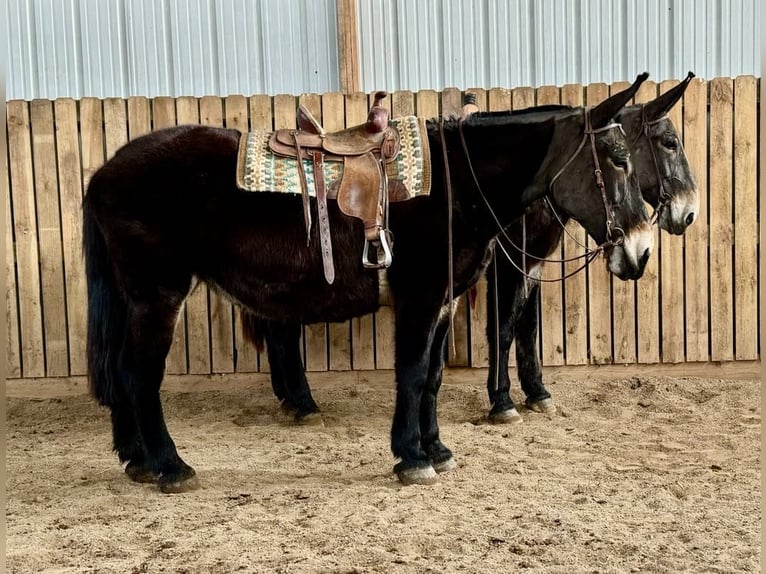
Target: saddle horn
603,113
377,119
662,105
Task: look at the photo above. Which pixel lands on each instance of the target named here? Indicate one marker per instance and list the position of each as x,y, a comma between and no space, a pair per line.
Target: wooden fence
697,301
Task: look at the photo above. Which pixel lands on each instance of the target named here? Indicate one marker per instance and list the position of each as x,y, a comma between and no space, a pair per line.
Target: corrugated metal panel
107,48
488,43
198,47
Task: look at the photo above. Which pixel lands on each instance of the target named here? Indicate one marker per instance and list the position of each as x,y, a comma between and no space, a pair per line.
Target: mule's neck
492,169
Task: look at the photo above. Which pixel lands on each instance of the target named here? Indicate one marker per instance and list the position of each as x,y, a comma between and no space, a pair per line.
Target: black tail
107,313
254,329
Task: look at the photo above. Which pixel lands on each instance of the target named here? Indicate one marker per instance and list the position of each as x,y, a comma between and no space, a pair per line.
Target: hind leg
527,357
142,364
283,346
129,445
440,455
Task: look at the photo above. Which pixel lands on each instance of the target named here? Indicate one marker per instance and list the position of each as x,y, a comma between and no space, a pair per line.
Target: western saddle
363,190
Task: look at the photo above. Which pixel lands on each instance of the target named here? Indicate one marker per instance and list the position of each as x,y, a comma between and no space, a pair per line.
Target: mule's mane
496,118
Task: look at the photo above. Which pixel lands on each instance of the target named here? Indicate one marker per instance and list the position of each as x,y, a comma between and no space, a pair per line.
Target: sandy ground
653,474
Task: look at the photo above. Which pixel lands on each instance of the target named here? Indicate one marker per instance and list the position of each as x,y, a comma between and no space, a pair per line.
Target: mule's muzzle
628,259
680,213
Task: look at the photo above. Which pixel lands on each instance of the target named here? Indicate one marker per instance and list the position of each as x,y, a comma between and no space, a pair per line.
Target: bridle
664,196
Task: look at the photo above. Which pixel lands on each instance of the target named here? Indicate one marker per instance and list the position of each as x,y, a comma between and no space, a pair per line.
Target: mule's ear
603,113
661,106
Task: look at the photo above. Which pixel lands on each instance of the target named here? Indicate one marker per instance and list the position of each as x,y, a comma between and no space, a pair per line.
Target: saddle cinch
363,191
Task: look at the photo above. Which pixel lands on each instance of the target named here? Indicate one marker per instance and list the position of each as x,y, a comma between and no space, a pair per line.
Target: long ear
660,106
606,110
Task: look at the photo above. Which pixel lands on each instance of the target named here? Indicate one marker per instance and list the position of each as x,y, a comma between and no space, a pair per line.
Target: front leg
414,336
440,455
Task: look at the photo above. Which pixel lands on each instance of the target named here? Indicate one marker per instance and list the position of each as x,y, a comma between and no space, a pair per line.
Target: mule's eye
670,143
621,162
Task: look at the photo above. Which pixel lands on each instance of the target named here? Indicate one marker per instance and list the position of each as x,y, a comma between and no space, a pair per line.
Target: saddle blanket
260,170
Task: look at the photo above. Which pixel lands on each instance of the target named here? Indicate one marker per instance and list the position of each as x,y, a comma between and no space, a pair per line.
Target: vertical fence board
13,349
672,272
221,312
339,334
316,334
623,292
452,106
164,116
721,229
197,307
499,99
91,137
139,117
599,288
25,225
521,98
362,328
383,317
115,125
427,104
646,293
261,118
575,287
49,238
284,117
551,293
697,236
478,317
745,218
70,196
245,356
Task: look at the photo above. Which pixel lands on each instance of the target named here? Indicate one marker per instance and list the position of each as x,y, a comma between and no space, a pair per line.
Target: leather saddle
364,189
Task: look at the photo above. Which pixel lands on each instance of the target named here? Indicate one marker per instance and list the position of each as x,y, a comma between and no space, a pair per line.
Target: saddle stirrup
383,256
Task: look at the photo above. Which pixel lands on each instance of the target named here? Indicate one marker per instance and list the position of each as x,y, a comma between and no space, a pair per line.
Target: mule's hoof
287,408
310,419
425,475
139,473
545,406
445,465
509,417
177,485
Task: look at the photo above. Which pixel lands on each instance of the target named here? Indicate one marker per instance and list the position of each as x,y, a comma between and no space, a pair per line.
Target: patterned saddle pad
260,170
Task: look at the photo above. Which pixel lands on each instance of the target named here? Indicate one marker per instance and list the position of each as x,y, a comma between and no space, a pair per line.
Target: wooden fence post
348,47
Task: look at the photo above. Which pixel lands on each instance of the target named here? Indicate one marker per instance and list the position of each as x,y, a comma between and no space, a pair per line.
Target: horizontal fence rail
698,299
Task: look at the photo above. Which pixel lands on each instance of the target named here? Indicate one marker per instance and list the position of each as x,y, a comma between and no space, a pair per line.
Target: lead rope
450,291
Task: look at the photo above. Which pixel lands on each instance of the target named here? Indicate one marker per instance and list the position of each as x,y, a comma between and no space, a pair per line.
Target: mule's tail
107,313
254,329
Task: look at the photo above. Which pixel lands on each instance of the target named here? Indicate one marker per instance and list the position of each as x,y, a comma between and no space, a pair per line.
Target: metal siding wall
103,48
490,43
120,48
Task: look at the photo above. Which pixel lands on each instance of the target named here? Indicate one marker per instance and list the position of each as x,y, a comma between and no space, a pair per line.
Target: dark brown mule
165,209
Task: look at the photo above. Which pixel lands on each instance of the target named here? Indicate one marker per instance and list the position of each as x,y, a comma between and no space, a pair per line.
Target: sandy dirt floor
652,474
